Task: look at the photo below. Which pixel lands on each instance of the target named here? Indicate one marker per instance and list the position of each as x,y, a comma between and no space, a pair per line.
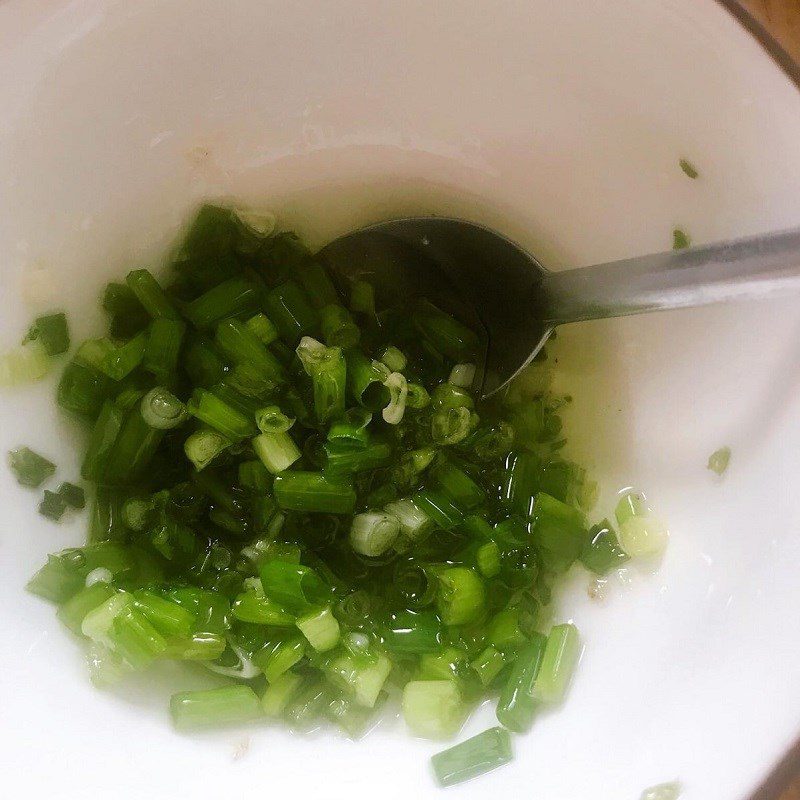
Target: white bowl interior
561,124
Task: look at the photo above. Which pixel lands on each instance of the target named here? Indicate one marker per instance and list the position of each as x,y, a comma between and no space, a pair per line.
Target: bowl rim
787,768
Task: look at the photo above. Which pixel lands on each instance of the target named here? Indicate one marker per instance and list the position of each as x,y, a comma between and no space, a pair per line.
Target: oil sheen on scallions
299,490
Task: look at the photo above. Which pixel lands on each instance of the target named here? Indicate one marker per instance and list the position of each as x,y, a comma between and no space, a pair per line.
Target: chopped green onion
280,693
223,706
458,486
680,240
73,495
631,504
328,372
417,396
52,506
29,468
254,607
560,658
601,552
24,364
432,709
365,381
150,294
51,332
203,446
135,639
473,757
244,348
162,410
414,522
338,328
362,298
558,530
444,513
373,532
276,658
271,419
452,425
462,375
688,168
444,333
258,224
308,704
74,610
166,616
318,286
487,558
127,315
488,664
341,458
163,347
718,461
277,451
398,392
229,299
294,587
644,536
516,706
408,632
320,628
394,359
262,327
289,309
351,428
663,791
461,598
313,491
232,423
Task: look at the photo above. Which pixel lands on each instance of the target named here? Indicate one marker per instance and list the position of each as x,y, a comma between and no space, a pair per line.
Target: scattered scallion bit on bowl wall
663,791
688,168
719,460
680,239
299,489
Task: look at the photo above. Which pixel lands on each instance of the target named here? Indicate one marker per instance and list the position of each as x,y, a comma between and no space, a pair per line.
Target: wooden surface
782,19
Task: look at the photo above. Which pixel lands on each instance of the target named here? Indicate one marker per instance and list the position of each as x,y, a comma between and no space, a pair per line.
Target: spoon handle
751,268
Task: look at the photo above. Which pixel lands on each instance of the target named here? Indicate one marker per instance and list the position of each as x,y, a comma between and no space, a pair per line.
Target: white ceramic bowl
560,123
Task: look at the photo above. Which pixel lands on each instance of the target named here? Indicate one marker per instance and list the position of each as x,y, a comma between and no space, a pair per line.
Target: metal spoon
519,302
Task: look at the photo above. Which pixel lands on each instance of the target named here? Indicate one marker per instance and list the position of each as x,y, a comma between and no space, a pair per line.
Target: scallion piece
73,611
352,428
462,375
365,381
277,451
51,332
342,458
271,419
444,333
224,706
373,532
29,468
280,693
24,364
52,506
414,522
73,495
162,410
601,552
516,706
150,294
163,347
229,299
458,486
243,347
257,609
461,598
220,415
328,372
439,508
338,328
166,616
362,298
409,632
398,392
314,491
560,658
294,587
288,307
487,558
203,446
432,709
276,658
473,757
320,628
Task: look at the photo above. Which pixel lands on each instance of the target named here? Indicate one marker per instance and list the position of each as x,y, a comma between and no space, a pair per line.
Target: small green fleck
664,791
680,239
689,169
53,505
52,331
718,461
30,468
73,495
